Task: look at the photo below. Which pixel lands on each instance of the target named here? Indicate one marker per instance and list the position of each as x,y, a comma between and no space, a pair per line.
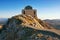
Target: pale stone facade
29,11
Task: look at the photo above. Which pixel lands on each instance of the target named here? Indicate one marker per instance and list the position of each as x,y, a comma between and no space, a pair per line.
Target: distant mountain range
3,20
55,23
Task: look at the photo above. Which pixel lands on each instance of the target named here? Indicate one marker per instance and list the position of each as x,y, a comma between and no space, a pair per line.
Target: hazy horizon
46,9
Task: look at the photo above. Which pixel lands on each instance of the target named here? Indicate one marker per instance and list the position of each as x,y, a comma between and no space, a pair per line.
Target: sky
46,9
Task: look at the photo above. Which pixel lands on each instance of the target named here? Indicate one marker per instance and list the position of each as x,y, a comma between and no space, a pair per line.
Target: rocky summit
28,27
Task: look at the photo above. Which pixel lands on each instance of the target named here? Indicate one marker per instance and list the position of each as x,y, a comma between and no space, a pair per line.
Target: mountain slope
32,22
29,21
21,32
23,27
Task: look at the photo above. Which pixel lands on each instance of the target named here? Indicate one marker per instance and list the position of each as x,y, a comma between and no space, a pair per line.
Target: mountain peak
29,18
27,26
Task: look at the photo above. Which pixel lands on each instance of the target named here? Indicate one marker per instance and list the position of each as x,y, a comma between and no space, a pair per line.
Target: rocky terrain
25,27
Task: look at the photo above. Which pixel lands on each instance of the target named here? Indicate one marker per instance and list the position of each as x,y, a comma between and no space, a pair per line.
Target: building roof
28,7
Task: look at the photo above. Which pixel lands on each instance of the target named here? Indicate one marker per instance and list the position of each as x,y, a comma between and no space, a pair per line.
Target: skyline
46,9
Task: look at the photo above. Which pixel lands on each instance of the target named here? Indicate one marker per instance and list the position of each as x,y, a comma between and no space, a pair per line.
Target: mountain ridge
25,27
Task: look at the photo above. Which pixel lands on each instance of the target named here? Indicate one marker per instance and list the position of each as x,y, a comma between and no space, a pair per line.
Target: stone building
28,10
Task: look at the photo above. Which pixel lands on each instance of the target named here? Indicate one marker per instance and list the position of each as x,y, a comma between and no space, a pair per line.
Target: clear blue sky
46,9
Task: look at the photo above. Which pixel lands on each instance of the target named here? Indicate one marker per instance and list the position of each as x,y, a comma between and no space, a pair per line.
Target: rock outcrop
29,21
23,27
